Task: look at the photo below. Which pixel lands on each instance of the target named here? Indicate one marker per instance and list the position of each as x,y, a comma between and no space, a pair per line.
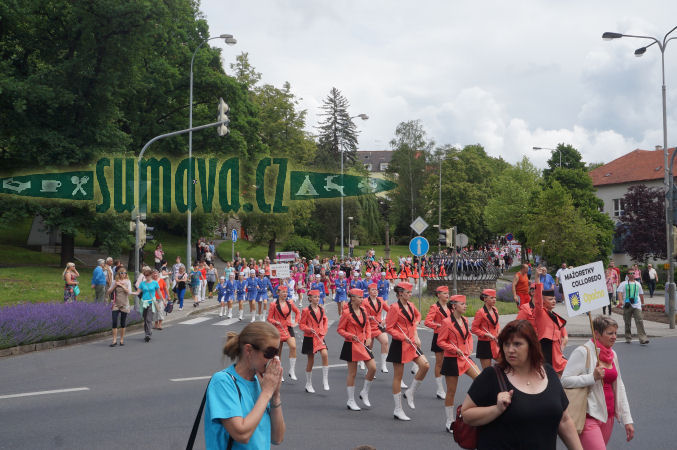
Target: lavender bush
30,323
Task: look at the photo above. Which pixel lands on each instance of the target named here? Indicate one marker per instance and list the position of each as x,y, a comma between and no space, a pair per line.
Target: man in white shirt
630,298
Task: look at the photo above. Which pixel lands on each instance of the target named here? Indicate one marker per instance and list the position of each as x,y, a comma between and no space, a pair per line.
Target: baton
369,352
486,331
380,327
418,350
465,357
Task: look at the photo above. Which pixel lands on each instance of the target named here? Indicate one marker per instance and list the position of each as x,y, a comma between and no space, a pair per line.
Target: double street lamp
669,180
553,150
230,40
363,117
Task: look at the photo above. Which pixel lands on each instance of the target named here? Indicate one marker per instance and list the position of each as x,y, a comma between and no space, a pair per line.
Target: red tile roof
638,165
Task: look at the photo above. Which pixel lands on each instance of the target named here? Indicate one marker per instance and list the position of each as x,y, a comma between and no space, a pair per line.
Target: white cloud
506,75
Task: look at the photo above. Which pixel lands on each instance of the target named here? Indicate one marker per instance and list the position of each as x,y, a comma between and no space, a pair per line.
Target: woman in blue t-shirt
243,409
149,290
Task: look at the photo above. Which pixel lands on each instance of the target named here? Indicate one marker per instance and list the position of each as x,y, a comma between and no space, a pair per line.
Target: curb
49,345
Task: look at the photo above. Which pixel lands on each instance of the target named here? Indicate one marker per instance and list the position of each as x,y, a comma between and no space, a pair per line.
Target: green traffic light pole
669,177
189,187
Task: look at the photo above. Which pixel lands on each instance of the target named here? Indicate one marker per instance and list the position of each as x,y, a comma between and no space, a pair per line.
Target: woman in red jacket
314,325
485,327
354,327
279,314
433,320
375,306
455,339
550,327
401,323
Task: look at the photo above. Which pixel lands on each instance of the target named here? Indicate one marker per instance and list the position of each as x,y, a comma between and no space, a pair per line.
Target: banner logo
575,301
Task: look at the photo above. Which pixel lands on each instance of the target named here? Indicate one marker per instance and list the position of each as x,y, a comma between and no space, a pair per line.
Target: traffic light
143,232
223,117
442,239
450,238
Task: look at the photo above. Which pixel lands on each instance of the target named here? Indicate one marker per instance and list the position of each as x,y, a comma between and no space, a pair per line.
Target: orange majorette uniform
279,314
402,319
486,320
550,331
433,320
526,312
453,335
314,326
374,307
354,323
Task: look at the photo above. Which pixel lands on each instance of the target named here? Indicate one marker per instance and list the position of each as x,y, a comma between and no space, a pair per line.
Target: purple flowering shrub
30,323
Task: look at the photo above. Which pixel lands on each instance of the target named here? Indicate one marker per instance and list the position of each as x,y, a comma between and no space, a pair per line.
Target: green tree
337,131
411,152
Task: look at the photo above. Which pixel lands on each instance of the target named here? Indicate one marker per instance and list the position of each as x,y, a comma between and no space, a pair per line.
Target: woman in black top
532,412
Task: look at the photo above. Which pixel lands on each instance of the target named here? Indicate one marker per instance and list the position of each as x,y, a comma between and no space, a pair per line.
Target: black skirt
395,352
449,367
307,346
434,347
291,331
484,350
346,351
546,348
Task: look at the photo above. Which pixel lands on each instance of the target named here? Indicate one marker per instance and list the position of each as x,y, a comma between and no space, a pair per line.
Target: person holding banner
314,324
279,314
485,326
436,314
401,323
631,298
550,328
355,329
375,307
455,339
606,396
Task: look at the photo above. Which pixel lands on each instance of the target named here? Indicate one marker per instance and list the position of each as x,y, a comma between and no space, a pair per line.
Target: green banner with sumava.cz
161,185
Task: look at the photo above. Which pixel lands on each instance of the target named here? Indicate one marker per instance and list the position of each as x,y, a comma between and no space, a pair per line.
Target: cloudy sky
506,75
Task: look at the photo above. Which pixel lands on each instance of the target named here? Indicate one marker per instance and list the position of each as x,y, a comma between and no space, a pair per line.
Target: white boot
253,316
241,314
361,365
403,385
309,382
414,368
384,368
351,399
230,312
292,369
409,393
364,393
449,413
221,311
325,378
441,392
399,412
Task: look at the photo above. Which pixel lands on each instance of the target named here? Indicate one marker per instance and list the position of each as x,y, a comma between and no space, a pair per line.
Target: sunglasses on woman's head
269,352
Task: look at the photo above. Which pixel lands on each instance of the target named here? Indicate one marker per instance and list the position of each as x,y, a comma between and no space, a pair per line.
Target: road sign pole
455,290
232,251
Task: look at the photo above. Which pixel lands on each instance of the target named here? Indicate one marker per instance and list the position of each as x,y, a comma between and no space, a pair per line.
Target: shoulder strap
501,379
587,359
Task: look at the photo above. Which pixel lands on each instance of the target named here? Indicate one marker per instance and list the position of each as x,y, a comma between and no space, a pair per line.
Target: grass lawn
39,284
249,250
474,303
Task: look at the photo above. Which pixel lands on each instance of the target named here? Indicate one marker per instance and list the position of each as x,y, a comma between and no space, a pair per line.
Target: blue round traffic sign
419,246
509,237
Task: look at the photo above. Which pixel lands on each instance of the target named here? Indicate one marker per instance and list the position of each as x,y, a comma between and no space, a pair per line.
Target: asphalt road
124,397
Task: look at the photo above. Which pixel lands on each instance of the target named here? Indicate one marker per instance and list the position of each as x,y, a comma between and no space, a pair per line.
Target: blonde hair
68,266
602,322
256,334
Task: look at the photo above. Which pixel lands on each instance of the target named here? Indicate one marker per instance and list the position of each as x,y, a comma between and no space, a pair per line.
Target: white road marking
330,366
196,320
227,322
55,391
190,378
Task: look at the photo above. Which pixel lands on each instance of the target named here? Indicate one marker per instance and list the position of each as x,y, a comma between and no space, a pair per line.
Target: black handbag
170,307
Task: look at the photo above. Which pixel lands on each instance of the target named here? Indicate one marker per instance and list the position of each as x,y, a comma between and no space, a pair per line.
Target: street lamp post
230,40
439,208
551,149
363,117
350,220
669,180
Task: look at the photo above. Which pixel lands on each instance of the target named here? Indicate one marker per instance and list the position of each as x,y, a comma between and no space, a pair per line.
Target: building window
383,166
619,207
368,165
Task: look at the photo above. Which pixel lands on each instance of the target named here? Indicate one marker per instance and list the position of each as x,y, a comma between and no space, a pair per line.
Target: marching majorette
485,326
401,323
252,292
279,315
222,295
550,327
455,339
355,329
263,285
318,285
375,307
436,314
383,287
314,324
241,291
341,291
